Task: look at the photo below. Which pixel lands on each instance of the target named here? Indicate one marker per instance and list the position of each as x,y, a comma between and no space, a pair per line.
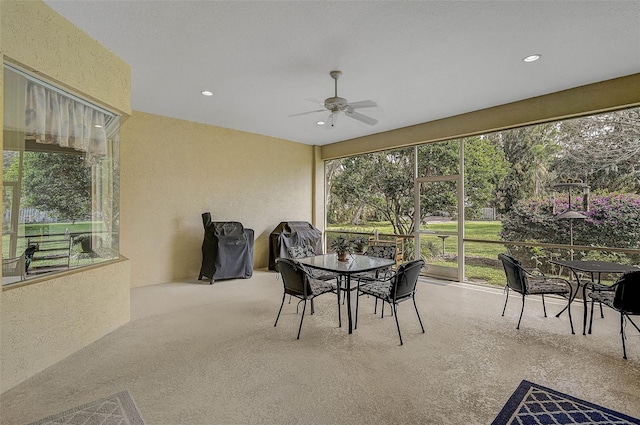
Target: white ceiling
420,60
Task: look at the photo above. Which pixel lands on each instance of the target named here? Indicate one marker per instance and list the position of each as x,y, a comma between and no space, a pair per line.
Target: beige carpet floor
199,354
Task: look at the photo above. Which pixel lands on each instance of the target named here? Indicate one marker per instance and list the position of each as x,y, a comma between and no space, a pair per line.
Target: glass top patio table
593,268
355,264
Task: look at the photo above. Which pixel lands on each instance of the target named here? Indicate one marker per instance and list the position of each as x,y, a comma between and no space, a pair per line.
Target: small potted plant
360,244
342,246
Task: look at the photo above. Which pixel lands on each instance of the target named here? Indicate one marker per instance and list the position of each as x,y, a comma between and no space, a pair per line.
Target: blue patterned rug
532,404
117,409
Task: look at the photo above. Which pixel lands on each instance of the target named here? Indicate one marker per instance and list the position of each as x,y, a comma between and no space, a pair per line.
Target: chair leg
632,322
313,310
624,348
521,311
569,311
302,318
506,289
279,311
601,312
419,319
355,326
394,307
544,308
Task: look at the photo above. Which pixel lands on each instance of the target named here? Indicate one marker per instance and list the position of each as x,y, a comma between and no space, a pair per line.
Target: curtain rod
49,86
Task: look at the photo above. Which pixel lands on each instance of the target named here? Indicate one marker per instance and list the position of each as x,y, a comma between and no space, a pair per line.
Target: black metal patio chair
378,251
299,283
526,283
624,297
303,251
399,287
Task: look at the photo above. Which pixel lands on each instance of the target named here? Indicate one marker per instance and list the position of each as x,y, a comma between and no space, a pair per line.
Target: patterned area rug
117,409
534,404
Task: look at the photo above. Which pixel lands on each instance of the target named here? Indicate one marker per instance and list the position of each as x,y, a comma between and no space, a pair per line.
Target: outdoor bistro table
356,264
593,268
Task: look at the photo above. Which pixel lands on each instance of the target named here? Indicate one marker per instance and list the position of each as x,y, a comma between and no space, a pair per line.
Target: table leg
572,297
348,289
338,283
591,318
584,305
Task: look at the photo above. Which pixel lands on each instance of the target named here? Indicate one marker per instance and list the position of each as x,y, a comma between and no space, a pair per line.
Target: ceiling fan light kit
337,104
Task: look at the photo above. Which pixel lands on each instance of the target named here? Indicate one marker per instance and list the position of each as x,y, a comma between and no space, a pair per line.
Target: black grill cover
227,250
292,233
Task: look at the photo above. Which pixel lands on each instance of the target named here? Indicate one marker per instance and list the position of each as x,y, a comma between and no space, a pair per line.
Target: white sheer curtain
53,118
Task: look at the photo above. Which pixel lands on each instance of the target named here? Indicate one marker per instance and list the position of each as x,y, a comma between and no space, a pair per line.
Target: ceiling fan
336,104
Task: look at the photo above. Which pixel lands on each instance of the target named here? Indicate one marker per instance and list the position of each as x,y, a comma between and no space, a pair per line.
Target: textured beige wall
172,171
1,174
319,195
45,322
40,40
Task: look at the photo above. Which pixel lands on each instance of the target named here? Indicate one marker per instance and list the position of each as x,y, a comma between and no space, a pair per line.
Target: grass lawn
44,229
481,259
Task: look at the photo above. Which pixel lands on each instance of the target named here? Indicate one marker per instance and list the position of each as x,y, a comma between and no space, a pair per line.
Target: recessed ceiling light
207,92
320,123
97,126
532,58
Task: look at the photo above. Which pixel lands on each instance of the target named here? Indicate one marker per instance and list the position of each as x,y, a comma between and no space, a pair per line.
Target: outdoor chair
526,283
299,283
14,267
87,243
603,291
378,251
303,251
19,266
398,287
624,298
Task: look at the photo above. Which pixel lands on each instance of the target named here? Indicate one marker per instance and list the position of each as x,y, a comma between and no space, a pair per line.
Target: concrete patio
199,354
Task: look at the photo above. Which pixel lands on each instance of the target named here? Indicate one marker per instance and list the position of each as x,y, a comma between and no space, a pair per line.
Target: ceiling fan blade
362,118
314,100
308,112
363,104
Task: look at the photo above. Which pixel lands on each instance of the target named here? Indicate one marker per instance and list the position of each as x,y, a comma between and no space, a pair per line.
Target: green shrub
613,220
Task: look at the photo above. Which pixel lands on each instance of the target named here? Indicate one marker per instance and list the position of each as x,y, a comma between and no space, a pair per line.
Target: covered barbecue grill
227,250
292,233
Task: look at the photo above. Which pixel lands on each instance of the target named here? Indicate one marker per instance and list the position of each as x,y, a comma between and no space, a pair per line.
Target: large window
561,190
60,180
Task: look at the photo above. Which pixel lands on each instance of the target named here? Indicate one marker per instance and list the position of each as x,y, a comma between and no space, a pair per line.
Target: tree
530,151
381,184
57,182
602,150
485,168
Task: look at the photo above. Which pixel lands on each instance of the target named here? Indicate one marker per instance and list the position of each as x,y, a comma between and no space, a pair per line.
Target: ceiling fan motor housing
335,104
